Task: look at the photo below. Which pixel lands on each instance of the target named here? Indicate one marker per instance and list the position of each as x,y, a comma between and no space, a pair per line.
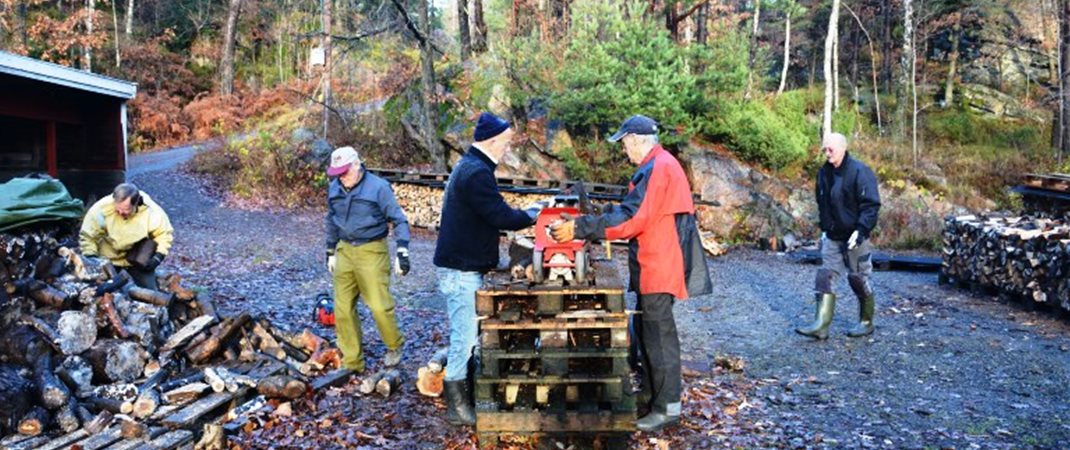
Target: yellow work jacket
106,234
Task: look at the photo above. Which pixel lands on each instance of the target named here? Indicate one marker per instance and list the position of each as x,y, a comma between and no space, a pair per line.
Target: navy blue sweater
473,213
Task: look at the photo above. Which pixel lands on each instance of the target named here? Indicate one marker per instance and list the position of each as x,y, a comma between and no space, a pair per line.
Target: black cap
637,124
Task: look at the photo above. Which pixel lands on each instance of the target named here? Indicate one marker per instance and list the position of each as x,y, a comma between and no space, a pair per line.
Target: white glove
401,261
852,241
535,208
823,236
330,263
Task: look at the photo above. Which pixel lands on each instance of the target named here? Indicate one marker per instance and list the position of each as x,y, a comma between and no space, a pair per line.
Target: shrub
757,134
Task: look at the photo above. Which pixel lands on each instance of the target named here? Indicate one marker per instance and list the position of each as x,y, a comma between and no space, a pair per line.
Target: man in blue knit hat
473,214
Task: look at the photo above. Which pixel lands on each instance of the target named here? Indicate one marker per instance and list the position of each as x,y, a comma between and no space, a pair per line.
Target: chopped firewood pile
86,352
1023,257
423,204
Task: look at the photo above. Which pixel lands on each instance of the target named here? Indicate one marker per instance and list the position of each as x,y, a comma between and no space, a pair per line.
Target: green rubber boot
826,305
865,327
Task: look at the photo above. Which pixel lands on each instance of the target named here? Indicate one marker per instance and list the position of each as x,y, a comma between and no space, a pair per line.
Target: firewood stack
79,342
1023,257
423,203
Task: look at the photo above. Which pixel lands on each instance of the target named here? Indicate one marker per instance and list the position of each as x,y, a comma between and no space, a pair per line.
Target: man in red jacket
665,259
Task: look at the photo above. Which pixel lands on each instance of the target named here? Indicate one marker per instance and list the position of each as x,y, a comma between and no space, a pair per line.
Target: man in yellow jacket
116,224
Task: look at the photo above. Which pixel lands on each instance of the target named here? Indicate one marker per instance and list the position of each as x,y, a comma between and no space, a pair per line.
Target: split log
22,345
132,429
34,422
174,286
67,417
76,373
217,341
220,379
107,307
149,296
53,393
212,439
437,363
429,382
367,384
99,403
267,343
98,423
324,359
194,376
115,360
185,393
146,403
45,295
15,394
388,383
281,386
188,332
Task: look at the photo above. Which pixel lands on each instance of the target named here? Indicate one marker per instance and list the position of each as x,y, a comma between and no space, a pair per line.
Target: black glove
154,262
401,261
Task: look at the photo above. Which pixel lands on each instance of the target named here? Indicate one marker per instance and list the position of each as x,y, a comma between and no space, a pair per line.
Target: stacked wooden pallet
1019,256
553,364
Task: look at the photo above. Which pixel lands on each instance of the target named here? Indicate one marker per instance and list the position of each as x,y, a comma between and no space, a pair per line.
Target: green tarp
28,200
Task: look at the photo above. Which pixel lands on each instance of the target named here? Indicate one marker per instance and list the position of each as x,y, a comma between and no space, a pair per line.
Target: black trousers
659,351
143,278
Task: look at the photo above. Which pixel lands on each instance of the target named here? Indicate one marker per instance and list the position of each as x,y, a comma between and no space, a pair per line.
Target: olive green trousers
363,271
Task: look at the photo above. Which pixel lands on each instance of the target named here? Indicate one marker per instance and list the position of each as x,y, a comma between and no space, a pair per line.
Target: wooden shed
64,122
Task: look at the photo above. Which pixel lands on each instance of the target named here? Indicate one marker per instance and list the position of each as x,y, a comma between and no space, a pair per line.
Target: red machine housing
574,253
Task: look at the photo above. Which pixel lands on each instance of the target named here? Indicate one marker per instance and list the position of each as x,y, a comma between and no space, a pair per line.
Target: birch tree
792,8
830,77
230,32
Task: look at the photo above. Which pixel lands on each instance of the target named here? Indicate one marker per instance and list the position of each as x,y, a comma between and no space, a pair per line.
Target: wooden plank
27,443
65,440
335,377
102,439
130,444
550,423
170,440
13,439
189,415
612,320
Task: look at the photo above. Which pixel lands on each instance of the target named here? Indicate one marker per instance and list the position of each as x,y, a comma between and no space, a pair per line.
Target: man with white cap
360,205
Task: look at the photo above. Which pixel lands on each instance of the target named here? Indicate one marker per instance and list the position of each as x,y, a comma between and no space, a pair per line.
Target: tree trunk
830,78
949,86
906,77
872,68
427,93
836,67
753,52
560,19
1064,79
463,30
87,61
701,16
230,32
326,66
888,16
908,16
479,37
129,18
115,33
787,55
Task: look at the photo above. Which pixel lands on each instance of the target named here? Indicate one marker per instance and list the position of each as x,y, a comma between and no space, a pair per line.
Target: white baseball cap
341,159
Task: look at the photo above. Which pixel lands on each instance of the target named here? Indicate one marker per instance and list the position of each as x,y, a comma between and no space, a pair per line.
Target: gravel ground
945,369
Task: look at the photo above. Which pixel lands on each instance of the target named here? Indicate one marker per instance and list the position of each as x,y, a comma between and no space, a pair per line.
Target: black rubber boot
826,306
865,327
458,406
655,421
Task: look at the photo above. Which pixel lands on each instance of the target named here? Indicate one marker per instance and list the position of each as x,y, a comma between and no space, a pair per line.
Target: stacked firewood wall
1023,257
423,204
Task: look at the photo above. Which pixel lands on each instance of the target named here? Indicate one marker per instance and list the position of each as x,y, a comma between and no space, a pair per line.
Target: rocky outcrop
753,205
986,100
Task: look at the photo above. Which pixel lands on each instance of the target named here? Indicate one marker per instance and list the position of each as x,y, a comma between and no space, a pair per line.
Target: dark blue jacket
847,199
360,215
473,213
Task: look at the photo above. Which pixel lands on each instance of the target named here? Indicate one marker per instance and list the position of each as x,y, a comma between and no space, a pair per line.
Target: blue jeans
460,290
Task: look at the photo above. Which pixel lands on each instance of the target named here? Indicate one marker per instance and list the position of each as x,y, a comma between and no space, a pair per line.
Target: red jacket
657,216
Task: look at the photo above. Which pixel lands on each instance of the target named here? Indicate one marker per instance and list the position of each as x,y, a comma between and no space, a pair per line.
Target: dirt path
945,369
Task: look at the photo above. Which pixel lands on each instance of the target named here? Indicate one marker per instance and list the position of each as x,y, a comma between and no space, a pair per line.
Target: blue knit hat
489,126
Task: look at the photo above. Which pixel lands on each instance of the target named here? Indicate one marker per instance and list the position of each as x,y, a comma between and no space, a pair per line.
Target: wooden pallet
501,298
554,394
1053,182
568,422
550,362
554,441
592,333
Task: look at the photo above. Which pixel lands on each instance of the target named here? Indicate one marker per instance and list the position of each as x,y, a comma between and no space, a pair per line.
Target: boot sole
659,427
820,337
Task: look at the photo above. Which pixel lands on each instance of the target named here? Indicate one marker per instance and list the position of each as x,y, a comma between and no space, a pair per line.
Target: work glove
330,262
564,230
535,208
401,261
154,262
854,240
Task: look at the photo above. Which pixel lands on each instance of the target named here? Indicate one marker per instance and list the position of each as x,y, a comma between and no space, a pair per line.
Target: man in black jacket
848,203
473,213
